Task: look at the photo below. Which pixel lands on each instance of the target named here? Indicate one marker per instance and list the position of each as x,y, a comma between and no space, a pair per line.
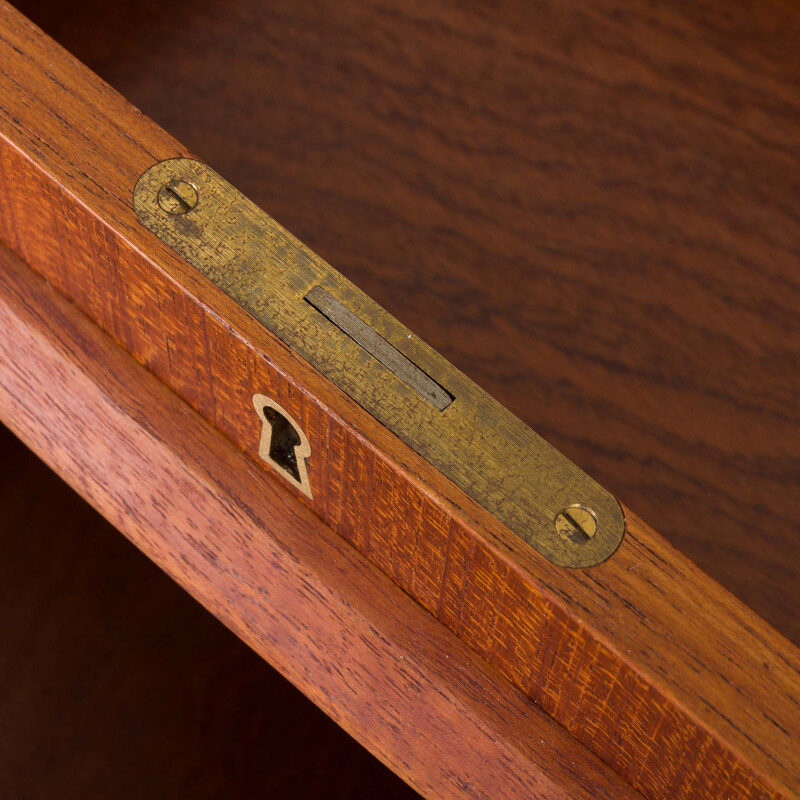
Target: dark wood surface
115,683
603,651
266,566
589,207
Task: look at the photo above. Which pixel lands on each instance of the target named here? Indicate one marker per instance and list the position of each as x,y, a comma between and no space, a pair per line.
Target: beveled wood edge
626,631
254,555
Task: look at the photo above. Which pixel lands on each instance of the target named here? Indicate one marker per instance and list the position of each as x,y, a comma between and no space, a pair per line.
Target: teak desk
588,209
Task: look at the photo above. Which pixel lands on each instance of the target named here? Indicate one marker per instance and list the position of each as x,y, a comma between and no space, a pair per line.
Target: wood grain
683,703
586,205
255,556
115,683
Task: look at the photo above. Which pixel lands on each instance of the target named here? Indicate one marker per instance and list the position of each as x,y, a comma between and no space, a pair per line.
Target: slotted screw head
177,197
576,523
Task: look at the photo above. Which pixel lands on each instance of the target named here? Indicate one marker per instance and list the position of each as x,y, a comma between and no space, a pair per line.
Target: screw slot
177,197
576,523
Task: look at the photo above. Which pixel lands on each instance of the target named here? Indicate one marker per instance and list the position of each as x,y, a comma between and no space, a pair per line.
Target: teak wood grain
264,564
670,680
116,683
585,205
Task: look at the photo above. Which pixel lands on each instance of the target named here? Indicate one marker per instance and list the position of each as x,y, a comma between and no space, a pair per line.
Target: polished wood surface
705,703
266,566
115,683
586,206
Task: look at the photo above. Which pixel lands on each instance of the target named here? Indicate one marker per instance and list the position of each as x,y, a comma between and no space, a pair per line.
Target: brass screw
177,197
576,523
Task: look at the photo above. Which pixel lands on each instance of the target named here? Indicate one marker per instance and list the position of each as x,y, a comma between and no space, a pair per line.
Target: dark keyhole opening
283,442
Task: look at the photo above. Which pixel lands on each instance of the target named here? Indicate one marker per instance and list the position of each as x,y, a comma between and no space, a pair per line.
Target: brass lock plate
417,394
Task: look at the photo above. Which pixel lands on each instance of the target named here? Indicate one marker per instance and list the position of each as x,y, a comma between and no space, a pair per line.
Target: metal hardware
177,197
484,449
374,343
576,523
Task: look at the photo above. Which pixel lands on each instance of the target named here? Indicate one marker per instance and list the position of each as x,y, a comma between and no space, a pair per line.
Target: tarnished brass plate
479,445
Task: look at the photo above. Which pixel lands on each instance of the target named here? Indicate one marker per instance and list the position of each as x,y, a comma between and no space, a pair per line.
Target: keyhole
283,442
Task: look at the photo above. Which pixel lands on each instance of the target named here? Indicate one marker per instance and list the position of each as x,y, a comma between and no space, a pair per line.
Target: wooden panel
115,683
612,650
625,172
255,556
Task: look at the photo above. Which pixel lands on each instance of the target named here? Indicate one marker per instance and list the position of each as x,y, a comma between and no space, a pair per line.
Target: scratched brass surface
477,443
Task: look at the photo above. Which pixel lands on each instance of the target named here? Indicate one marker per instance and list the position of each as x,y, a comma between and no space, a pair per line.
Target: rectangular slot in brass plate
374,343
451,422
